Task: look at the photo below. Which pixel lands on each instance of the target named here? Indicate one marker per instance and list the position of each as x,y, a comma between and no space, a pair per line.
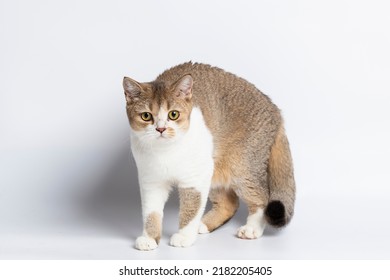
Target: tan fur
153,226
189,205
170,132
251,152
281,172
150,98
225,205
222,173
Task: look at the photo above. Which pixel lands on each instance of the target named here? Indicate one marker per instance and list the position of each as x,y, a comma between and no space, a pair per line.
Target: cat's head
159,112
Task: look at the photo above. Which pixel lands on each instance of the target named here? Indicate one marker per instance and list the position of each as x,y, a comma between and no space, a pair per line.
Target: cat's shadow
113,205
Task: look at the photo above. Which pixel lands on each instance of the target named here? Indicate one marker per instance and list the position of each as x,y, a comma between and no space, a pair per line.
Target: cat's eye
173,115
146,116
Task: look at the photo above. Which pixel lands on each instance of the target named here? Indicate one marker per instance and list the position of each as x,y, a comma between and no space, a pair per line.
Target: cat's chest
175,163
181,162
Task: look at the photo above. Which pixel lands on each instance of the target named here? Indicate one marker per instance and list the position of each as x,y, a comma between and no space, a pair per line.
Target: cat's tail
280,208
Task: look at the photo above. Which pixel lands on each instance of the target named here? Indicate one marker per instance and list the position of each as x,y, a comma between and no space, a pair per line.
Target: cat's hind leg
254,226
224,206
256,199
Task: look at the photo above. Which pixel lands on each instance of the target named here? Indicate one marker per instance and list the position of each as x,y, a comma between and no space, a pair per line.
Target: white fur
145,243
184,161
203,228
254,227
162,118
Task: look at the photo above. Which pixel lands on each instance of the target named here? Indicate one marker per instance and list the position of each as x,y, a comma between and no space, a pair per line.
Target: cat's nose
161,129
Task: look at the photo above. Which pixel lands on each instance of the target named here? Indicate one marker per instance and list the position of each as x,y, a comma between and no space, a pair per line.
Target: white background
68,188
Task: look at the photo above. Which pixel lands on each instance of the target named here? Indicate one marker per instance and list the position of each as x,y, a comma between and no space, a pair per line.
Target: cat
214,136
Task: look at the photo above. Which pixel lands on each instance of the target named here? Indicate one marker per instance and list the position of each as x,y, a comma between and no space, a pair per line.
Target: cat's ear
183,87
132,89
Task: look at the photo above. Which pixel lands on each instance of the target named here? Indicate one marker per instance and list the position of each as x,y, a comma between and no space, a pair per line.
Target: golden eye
146,116
173,115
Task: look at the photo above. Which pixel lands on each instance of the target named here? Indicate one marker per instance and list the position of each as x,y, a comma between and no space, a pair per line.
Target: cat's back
207,79
226,99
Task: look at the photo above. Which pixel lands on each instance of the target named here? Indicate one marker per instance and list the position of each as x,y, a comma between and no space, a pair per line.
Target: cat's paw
145,243
249,232
203,228
181,240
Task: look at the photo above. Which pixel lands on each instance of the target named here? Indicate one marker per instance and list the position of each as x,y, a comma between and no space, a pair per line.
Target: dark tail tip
276,214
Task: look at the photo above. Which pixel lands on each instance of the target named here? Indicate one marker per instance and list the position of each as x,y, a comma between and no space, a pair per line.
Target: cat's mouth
162,136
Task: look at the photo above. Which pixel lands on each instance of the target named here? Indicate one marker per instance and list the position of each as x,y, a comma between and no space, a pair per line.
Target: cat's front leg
192,204
153,200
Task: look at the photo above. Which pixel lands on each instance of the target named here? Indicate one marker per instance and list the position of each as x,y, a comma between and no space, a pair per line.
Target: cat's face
159,113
